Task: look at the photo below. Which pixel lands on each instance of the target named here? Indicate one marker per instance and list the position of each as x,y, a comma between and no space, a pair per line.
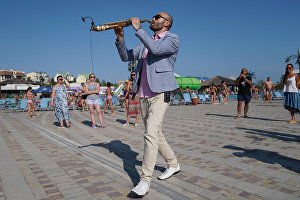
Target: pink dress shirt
144,90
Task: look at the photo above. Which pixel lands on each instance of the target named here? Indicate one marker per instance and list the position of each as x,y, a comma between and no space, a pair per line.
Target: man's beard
155,28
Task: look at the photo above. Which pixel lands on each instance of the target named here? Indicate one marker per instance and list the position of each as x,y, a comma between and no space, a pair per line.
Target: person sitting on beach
180,93
29,96
108,94
187,90
213,93
92,89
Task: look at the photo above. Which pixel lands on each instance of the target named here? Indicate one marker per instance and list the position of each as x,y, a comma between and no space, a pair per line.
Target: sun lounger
45,104
202,98
114,101
21,105
102,101
176,99
187,98
277,95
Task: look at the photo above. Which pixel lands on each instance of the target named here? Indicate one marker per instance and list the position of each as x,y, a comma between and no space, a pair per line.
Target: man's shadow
129,158
258,118
272,134
267,157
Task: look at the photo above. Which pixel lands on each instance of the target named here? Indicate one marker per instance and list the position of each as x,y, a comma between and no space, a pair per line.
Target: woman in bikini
213,92
108,98
224,92
29,96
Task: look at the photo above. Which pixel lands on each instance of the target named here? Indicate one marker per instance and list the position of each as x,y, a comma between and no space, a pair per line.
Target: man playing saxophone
154,80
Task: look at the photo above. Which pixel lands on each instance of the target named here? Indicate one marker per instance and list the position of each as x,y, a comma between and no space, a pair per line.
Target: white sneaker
169,172
142,188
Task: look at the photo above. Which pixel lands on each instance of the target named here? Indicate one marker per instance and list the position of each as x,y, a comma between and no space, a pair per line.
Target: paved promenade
221,157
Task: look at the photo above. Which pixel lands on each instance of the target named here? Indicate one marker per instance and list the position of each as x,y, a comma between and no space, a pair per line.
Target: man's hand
119,33
136,23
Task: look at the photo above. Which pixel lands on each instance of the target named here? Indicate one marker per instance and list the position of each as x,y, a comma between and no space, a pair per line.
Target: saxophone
112,25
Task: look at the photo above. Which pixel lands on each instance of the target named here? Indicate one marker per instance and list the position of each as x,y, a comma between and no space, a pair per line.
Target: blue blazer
160,60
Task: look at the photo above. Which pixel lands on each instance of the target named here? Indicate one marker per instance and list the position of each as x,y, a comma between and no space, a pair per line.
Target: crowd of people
147,93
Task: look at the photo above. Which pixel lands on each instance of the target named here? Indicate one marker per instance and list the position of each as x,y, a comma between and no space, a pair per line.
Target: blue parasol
43,89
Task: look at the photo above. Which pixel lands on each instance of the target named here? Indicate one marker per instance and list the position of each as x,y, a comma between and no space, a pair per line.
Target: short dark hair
59,77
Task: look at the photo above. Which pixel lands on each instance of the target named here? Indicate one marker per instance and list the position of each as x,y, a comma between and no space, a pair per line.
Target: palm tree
251,74
292,57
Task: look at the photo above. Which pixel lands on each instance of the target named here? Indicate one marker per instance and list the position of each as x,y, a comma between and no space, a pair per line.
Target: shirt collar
159,35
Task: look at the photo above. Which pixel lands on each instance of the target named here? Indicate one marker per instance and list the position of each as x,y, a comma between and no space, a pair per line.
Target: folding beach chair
187,98
114,101
176,99
277,95
202,98
45,104
102,100
22,106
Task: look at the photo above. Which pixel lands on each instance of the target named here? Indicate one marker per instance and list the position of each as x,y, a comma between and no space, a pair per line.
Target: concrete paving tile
258,165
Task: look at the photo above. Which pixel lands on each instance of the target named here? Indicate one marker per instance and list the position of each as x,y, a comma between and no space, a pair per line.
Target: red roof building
11,74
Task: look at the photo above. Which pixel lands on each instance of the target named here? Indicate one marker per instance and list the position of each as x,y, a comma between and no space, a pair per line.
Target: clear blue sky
216,37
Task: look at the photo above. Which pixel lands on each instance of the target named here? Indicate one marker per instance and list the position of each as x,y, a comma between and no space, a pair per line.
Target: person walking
59,102
154,80
92,90
133,103
83,97
291,100
225,92
29,96
244,93
126,96
268,88
108,94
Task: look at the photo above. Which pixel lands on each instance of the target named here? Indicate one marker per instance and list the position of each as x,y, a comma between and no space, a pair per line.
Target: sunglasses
156,17
132,74
92,76
60,79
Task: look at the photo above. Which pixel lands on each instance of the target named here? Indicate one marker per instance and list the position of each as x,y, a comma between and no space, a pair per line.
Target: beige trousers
153,111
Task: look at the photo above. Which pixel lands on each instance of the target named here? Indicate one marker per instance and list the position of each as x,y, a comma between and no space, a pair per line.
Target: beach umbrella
43,89
217,81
